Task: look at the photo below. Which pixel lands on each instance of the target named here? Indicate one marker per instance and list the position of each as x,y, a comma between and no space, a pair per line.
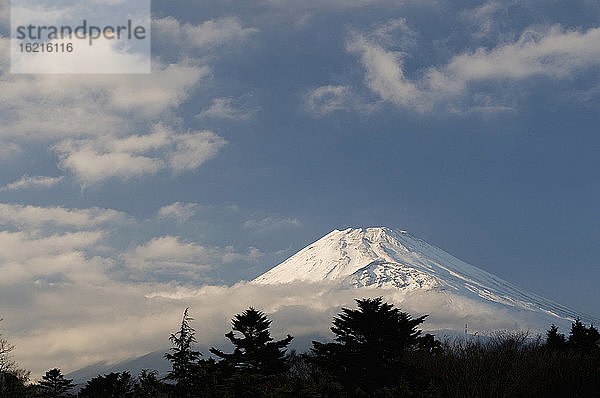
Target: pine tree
583,338
370,343
150,386
54,384
185,367
255,351
555,340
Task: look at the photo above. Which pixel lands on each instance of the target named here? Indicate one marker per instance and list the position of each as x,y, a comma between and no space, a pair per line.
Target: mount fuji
390,259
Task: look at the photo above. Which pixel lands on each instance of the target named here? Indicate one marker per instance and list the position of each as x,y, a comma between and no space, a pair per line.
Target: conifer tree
185,367
555,340
370,343
54,384
583,338
255,351
150,386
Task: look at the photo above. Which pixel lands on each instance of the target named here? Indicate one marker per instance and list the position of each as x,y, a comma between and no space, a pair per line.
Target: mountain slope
387,258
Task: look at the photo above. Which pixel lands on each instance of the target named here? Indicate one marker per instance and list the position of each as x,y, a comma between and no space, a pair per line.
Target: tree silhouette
6,362
112,385
13,379
583,338
11,386
185,367
255,351
150,386
555,340
370,343
54,384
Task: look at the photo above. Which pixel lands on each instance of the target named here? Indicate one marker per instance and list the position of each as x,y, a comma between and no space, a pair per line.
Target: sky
266,124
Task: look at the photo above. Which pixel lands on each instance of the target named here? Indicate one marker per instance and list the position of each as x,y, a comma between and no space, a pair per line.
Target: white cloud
384,74
193,149
32,182
271,223
327,99
554,53
91,166
395,32
25,258
167,87
181,212
484,18
35,216
91,104
225,108
94,160
53,245
171,254
72,336
19,245
207,35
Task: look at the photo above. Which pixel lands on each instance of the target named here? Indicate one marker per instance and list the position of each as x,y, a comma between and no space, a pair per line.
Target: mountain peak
337,255
382,257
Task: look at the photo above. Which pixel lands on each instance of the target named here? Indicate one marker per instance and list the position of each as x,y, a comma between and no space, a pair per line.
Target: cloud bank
102,328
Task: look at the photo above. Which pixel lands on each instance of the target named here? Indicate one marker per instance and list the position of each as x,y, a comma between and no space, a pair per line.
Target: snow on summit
381,257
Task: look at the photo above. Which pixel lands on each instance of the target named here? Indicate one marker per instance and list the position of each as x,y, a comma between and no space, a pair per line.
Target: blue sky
266,124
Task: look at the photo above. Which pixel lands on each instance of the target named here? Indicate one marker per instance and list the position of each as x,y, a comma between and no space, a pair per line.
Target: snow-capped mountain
387,258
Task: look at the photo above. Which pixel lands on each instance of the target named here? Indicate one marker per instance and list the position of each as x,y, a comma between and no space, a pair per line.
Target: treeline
378,351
